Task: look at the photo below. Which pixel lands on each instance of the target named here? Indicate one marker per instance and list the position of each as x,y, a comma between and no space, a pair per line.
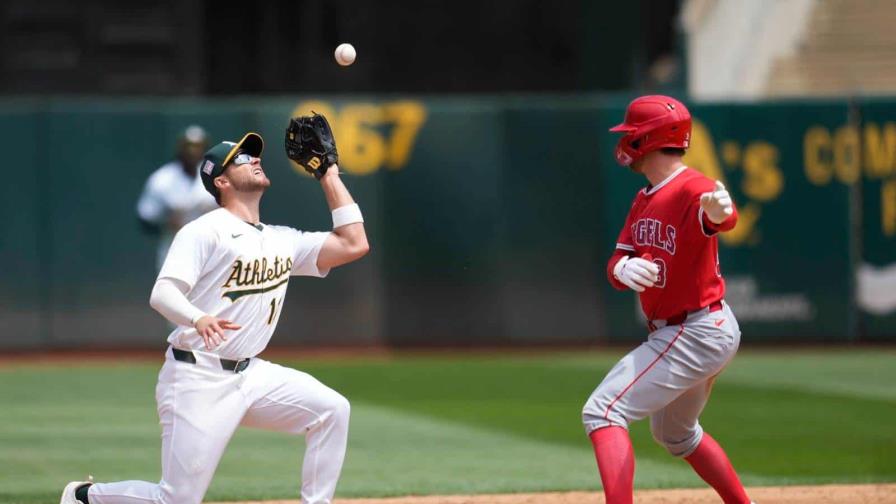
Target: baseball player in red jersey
667,251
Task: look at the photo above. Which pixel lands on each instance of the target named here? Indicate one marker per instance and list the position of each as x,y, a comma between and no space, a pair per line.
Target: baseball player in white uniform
174,195
223,283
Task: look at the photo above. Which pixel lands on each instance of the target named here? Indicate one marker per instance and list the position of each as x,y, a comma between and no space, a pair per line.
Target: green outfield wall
490,219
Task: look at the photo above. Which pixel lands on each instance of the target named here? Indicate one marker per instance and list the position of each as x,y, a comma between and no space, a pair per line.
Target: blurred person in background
174,194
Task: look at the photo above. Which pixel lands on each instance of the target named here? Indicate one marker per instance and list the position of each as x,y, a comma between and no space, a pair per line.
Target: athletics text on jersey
239,272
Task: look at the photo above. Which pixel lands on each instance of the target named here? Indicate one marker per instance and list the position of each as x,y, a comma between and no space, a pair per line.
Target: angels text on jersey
652,233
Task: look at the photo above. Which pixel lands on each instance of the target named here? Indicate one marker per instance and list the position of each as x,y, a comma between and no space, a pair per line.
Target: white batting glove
717,204
636,273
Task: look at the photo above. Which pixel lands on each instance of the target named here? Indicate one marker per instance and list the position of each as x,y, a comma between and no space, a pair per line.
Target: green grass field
462,424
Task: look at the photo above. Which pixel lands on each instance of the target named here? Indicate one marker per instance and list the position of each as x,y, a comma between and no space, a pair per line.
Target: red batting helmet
651,123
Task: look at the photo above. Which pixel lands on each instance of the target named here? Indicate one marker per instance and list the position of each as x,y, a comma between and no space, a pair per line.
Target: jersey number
661,276
273,311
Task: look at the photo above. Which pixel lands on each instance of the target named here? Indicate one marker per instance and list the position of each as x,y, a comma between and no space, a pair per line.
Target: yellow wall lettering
847,156
408,117
763,180
370,136
888,208
817,154
361,147
880,150
747,218
701,155
730,153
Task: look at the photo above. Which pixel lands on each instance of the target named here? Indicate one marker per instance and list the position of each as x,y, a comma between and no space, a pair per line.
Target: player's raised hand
717,204
636,273
211,329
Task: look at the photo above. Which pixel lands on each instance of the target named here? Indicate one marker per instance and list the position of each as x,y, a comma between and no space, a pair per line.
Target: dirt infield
822,494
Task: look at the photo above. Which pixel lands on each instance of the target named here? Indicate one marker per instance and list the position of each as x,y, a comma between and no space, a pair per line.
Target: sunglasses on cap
242,158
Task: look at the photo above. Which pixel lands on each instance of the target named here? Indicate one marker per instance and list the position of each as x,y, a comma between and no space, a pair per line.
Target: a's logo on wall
208,167
753,168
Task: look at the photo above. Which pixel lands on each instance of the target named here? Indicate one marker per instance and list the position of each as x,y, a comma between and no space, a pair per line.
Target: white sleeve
151,206
191,248
168,298
307,248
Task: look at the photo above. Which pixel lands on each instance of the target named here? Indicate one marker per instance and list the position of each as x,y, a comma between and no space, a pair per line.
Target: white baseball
345,54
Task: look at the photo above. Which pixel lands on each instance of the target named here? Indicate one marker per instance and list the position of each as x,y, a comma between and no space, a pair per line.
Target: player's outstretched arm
348,241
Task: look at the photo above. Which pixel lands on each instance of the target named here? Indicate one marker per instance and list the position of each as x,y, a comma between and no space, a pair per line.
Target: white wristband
345,215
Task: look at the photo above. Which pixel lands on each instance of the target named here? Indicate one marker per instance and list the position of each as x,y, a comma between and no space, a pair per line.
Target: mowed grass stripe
794,434
855,374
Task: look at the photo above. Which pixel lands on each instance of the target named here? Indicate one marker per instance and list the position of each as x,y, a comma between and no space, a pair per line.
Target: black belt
230,365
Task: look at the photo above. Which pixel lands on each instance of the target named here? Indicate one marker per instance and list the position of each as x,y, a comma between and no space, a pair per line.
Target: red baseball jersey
667,222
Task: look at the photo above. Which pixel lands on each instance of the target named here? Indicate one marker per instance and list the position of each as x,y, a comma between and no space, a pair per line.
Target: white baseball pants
200,406
669,378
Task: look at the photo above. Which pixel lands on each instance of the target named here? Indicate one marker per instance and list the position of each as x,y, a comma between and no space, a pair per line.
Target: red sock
616,463
711,464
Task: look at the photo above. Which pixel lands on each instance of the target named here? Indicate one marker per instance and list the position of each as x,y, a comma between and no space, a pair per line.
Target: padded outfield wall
490,218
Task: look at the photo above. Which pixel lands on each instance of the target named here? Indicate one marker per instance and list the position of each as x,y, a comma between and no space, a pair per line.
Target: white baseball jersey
238,272
171,190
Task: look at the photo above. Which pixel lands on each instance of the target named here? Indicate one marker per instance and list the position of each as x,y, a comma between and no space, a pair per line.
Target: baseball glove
310,142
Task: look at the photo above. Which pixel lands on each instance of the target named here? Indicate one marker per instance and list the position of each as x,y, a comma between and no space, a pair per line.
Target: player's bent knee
597,414
339,408
343,407
678,444
656,430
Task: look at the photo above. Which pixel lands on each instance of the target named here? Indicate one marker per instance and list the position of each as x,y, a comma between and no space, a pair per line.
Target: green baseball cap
217,158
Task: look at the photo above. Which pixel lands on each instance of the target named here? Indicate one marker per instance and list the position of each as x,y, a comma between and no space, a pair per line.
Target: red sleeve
710,227
697,187
624,246
619,254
